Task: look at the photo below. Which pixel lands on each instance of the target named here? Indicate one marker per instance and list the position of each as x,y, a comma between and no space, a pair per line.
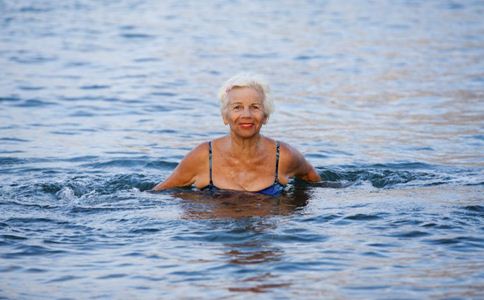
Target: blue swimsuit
273,190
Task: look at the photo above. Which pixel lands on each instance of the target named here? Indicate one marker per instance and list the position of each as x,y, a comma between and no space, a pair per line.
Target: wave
143,162
98,185
90,178
378,176
399,174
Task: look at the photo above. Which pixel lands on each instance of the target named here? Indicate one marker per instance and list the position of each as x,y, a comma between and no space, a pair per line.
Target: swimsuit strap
210,161
276,177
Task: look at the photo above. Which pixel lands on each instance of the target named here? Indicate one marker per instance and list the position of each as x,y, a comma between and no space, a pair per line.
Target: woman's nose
246,112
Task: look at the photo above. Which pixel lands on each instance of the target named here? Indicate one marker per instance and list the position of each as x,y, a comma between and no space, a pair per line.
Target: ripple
13,140
34,103
369,287
474,208
6,161
95,87
33,59
384,245
82,158
145,230
321,219
82,113
364,217
112,276
30,88
95,186
35,270
13,237
221,236
146,59
308,57
27,220
396,175
64,278
164,94
298,237
64,132
461,243
121,163
259,55
10,99
310,266
411,234
152,278
32,250
137,36
6,269
252,257
374,254
33,9
260,288
163,131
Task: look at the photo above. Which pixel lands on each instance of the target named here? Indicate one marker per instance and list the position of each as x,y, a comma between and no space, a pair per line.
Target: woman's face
245,111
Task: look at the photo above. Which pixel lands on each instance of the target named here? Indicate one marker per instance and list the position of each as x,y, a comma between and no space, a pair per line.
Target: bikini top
274,189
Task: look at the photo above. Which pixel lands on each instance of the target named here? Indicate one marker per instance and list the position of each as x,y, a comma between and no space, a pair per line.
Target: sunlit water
100,100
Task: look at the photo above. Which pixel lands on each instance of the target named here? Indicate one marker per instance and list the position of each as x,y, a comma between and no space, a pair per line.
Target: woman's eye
256,107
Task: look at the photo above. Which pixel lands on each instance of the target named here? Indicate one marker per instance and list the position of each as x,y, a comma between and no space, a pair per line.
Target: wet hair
251,80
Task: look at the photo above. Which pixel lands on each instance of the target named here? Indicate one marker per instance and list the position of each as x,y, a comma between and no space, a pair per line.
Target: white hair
251,80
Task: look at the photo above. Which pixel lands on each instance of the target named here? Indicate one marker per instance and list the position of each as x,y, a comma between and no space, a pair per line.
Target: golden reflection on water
384,125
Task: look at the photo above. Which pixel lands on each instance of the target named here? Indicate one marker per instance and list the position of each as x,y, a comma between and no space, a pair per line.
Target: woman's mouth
246,125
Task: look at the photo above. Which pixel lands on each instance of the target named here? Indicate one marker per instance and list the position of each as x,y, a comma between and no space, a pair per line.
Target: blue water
100,100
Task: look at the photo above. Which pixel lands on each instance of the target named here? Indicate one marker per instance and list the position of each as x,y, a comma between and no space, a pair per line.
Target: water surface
100,101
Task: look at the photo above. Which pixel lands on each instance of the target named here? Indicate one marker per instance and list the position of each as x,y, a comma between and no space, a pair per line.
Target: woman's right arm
187,171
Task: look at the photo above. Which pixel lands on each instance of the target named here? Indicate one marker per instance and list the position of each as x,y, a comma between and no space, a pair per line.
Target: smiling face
244,112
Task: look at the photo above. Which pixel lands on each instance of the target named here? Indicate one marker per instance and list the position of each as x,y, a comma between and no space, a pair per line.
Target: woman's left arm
297,165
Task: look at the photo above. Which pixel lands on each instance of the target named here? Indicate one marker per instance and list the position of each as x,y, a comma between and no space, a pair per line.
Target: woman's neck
244,147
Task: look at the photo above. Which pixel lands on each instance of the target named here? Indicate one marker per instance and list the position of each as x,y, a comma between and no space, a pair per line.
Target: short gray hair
251,80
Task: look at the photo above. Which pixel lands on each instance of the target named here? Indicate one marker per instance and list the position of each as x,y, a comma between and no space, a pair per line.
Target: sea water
99,101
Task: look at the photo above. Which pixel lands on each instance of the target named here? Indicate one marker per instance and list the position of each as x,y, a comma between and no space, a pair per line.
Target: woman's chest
251,175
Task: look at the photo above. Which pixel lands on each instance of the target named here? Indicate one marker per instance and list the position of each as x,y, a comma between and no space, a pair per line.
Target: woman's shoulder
288,150
285,149
199,151
220,139
290,157
294,163
197,156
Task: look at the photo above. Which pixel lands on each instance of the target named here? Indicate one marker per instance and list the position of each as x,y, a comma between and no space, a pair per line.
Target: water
100,100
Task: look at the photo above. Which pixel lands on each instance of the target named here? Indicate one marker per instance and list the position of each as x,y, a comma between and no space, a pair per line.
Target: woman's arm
297,165
187,171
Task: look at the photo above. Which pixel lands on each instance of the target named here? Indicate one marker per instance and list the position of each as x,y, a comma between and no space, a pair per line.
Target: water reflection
255,252
247,237
236,205
252,252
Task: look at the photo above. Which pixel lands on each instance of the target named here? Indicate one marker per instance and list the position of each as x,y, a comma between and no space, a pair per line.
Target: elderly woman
243,160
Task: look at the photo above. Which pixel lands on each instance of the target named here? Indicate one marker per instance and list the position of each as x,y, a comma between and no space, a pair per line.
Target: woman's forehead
238,94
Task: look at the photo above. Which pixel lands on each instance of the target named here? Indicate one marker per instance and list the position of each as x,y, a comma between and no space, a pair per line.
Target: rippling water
100,100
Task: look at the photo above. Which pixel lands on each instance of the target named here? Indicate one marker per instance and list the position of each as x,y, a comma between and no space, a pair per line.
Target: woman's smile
246,125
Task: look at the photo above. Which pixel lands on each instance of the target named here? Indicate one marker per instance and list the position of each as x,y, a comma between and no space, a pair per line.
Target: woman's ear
224,118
